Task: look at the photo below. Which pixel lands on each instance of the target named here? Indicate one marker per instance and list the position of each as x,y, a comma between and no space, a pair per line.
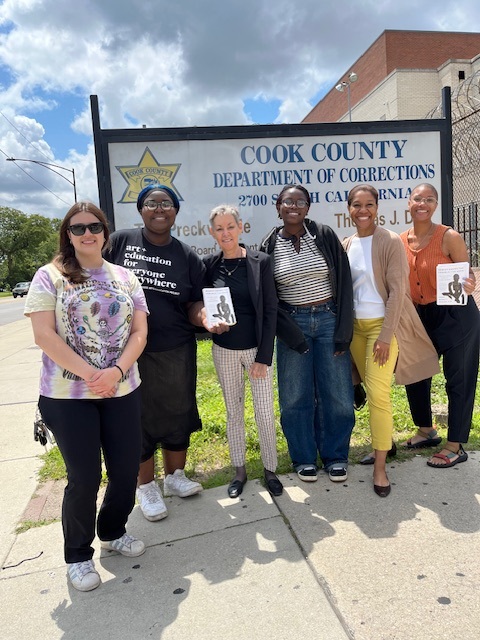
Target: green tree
26,243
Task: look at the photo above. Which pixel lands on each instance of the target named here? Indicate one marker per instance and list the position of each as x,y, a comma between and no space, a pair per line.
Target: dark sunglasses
93,227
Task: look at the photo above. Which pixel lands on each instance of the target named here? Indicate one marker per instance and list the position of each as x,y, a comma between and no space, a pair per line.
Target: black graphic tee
171,276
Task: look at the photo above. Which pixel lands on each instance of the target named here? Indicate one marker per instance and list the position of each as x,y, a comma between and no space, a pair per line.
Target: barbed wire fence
466,161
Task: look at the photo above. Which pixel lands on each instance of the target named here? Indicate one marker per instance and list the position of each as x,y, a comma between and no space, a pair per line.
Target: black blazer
261,287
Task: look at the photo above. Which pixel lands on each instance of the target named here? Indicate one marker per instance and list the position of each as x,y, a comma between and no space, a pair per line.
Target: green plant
208,458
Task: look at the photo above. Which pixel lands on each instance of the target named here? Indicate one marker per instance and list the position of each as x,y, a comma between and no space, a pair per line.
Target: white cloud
185,63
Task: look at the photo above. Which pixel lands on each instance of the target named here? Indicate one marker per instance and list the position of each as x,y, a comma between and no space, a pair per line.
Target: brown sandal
432,439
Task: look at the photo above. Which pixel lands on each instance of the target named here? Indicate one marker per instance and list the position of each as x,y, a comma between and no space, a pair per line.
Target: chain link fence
466,160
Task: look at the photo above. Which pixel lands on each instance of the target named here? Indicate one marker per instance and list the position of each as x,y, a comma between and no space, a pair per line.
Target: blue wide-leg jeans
315,391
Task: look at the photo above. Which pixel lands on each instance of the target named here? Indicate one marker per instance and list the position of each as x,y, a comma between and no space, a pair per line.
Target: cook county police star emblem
147,171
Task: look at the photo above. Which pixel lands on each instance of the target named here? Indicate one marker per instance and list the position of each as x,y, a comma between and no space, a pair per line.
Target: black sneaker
308,473
337,472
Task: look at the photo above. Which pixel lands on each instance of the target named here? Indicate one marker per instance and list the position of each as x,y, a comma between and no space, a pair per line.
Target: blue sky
203,62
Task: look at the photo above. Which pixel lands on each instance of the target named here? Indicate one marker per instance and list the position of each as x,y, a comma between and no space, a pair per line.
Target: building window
461,75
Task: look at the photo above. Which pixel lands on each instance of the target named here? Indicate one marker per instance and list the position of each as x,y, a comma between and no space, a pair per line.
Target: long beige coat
417,357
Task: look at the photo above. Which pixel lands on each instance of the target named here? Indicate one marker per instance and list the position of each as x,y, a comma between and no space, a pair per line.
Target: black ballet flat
369,459
235,488
383,492
393,451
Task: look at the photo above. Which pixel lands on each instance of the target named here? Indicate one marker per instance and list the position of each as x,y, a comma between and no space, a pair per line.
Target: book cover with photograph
219,305
450,283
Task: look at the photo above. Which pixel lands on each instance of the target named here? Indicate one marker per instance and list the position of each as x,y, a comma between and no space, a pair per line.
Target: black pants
455,333
83,429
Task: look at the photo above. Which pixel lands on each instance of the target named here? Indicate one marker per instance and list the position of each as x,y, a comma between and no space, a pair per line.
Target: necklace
229,272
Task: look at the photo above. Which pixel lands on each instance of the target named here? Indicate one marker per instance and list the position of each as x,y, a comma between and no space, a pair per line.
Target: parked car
20,289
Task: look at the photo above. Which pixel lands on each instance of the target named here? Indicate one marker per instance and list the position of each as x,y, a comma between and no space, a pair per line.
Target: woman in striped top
314,286
454,329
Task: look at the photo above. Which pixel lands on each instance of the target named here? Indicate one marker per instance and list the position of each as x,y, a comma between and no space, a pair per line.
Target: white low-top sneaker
126,545
83,575
151,502
177,484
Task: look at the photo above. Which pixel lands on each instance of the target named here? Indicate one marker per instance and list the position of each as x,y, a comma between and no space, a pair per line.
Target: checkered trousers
231,366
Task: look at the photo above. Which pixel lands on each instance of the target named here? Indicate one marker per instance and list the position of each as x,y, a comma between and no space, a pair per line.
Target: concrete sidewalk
322,561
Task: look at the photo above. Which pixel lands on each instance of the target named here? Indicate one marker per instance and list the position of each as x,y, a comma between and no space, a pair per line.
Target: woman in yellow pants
387,337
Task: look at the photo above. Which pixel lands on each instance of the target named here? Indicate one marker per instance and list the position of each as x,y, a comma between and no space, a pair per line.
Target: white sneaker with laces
151,502
83,575
177,484
126,545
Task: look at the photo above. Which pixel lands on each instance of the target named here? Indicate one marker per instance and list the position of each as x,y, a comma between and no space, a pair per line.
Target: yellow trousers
377,379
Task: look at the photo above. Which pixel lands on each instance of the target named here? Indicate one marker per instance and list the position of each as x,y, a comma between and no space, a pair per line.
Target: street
11,310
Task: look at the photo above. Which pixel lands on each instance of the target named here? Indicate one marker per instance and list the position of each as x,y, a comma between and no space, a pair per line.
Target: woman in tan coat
387,335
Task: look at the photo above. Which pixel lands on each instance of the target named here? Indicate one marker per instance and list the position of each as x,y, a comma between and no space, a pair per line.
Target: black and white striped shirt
303,277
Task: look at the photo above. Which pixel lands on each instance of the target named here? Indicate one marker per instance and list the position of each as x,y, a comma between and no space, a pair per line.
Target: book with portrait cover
450,279
219,305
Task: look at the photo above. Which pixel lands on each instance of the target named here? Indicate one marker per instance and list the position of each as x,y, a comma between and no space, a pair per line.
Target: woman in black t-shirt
172,277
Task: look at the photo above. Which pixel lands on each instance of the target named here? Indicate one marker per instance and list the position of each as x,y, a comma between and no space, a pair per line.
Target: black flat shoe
235,488
274,486
369,459
383,492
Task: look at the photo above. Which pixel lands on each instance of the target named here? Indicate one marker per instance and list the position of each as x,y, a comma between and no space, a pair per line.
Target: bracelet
120,369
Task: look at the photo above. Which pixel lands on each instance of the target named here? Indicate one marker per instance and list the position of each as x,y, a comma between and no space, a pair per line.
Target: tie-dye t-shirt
94,318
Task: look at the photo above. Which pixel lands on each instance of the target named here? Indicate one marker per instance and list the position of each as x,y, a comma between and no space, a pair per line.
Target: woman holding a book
245,276
454,329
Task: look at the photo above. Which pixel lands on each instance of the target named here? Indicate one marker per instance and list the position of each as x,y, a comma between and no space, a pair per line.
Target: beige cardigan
417,357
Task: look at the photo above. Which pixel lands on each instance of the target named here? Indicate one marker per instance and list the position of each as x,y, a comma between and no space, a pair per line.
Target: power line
24,136
35,180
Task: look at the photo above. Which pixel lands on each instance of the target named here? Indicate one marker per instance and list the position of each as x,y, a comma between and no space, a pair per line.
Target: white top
367,303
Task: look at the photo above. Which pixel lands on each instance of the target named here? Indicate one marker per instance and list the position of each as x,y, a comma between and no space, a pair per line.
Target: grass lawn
208,458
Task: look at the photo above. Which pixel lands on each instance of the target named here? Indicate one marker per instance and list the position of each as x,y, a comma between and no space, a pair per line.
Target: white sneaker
151,502
126,545
83,575
177,484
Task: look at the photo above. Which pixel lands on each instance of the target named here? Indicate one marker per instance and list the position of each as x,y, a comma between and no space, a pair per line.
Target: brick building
401,75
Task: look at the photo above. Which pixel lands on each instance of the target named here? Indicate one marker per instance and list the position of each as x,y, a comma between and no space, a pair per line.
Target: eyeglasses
429,200
151,205
300,204
93,227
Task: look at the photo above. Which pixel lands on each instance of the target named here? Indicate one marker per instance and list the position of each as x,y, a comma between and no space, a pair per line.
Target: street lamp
49,165
345,84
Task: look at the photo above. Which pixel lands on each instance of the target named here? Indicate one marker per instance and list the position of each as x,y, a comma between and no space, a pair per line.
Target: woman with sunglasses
315,389
454,329
89,318
172,276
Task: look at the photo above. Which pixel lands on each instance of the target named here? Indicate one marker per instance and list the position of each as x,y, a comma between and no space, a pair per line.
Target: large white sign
250,172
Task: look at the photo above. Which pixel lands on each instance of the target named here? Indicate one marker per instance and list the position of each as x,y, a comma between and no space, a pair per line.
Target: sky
169,64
